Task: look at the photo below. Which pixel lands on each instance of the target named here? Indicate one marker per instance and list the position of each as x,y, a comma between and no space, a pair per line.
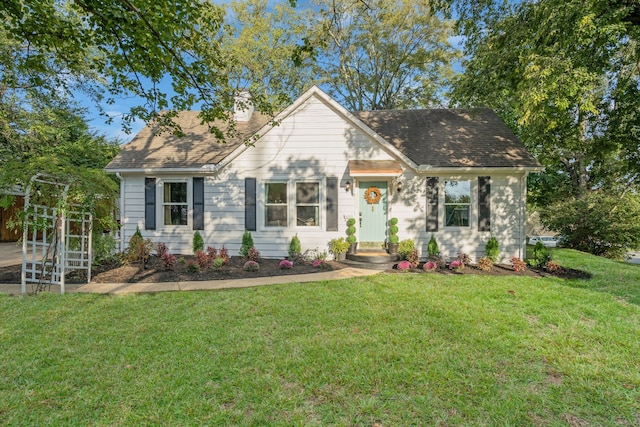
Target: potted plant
351,235
339,247
392,246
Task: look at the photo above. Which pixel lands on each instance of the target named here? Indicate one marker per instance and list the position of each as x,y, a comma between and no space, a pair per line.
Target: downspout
523,218
121,207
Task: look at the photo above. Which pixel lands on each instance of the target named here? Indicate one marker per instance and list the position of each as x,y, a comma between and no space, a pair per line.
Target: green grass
393,349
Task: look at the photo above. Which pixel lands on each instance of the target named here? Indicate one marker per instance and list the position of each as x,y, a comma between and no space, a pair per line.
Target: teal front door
373,211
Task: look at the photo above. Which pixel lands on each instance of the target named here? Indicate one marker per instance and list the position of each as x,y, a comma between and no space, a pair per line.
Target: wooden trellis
55,239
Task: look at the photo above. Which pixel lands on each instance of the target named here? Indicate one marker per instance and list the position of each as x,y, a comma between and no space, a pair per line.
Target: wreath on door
372,195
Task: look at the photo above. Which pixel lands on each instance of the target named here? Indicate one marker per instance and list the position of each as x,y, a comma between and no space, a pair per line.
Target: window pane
175,214
276,192
276,216
457,215
175,192
307,215
457,192
307,193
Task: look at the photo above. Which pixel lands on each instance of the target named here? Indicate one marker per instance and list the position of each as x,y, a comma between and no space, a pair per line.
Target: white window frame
160,210
469,204
265,204
296,204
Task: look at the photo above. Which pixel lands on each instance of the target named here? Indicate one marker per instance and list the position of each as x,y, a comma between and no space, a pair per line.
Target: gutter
121,207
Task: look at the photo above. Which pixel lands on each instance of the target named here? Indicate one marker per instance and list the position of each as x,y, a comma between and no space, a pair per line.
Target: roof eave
483,169
206,169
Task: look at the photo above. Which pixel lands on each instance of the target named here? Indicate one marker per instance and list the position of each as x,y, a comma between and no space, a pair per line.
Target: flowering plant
285,264
456,264
430,266
404,265
319,263
251,266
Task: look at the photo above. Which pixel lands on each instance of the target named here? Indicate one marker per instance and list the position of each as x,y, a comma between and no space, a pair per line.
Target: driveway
10,254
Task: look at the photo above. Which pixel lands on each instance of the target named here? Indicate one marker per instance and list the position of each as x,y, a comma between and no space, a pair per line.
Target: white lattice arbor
56,239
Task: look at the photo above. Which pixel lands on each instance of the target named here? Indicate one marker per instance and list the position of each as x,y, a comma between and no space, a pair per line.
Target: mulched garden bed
154,272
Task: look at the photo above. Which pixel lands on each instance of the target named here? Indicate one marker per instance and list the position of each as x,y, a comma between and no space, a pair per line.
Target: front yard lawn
391,349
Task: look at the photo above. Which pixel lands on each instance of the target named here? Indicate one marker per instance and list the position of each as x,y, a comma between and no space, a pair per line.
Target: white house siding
507,213
310,144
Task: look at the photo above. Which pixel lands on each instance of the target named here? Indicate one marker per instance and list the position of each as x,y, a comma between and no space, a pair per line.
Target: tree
124,47
564,75
261,44
377,54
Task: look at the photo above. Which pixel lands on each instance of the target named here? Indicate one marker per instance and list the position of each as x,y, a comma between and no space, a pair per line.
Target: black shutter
149,203
250,204
432,204
198,203
332,204
484,203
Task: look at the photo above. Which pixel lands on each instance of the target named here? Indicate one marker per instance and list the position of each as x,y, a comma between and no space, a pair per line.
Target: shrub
432,247
351,231
338,246
485,263
285,264
456,265
218,263
405,247
247,243
193,266
518,264
319,263
492,250
204,261
224,254
464,258
413,258
393,230
104,248
599,222
251,266
139,249
540,256
553,267
161,249
212,252
198,242
430,266
253,254
294,247
168,261
404,265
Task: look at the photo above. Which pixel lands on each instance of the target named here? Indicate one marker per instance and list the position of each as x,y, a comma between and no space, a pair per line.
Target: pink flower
456,265
430,266
285,264
318,263
404,265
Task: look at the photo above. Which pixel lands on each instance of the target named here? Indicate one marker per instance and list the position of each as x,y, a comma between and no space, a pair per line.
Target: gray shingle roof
450,137
197,148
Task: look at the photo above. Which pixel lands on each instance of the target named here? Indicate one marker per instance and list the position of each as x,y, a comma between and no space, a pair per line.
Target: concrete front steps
374,259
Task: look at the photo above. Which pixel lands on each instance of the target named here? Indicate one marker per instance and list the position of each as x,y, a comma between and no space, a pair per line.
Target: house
458,175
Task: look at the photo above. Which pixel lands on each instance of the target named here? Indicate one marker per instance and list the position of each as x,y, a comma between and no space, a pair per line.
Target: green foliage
432,247
405,247
218,263
139,249
294,247
338,246
198,242
104,247
492,250
540,255
599,223
383,54
563,76
351,231
393,230
247,244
